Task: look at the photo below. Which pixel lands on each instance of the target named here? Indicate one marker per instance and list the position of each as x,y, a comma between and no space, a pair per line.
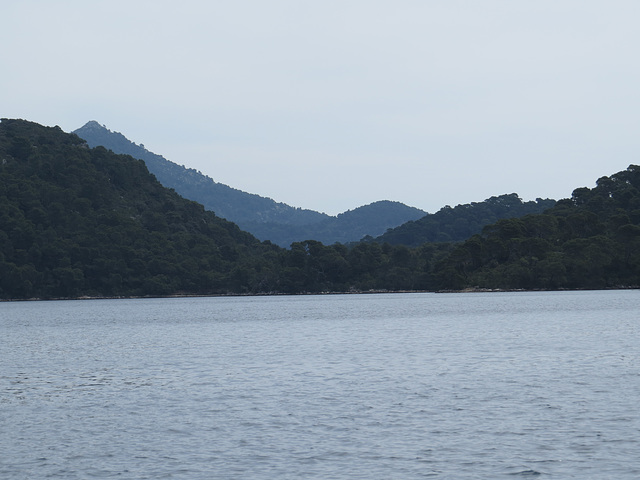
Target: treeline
313,267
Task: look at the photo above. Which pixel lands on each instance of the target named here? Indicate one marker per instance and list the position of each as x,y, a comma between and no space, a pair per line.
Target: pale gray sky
335,104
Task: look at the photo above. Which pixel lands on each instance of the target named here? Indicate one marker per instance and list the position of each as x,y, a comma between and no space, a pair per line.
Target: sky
336,104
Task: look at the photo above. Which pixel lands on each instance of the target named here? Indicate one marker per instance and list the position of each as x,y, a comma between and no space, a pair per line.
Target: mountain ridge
263,217
177,176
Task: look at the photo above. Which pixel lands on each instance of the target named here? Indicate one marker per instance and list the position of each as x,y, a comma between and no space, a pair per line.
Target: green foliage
310,266
461,222
589,241
78,221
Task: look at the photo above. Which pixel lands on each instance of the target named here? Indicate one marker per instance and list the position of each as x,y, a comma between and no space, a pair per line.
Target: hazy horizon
336,105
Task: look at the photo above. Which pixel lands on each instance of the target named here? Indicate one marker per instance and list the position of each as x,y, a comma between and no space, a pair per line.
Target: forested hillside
76,221
263,217
591,240
461,222
79,221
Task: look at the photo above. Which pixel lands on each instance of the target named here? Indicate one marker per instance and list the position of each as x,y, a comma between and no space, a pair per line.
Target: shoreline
274,294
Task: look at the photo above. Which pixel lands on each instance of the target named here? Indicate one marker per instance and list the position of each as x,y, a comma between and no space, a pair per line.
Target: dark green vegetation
461,222
591,240
266,219
76,221
79,221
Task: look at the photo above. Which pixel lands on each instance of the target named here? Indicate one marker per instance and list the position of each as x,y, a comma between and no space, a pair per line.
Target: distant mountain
350,226
463,221
263,217
235,205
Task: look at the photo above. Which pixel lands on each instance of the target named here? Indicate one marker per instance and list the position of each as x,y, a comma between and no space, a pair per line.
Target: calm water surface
401,386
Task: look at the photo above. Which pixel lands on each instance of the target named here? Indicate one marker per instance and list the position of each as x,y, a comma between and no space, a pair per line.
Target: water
402,386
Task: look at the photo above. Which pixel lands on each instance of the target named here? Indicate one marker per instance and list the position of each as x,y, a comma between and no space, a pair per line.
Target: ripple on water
384,386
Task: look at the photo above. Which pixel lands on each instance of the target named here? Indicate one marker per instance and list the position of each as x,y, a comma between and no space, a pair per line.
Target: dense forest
591,240
462,221
78,221
277,222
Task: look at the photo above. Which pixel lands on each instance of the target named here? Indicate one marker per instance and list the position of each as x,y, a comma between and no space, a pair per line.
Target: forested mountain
461,222
79,221
591,240
263,217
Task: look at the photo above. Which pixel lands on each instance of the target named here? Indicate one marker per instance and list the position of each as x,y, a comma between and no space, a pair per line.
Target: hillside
234,205
591,240
76,221
263,217
79,221
462,221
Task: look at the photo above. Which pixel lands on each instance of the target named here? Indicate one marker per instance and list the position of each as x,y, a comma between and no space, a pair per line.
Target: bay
403,386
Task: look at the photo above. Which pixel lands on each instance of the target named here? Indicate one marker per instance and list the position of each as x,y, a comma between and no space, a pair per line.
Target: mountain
79,221
235,205
263,217
461,222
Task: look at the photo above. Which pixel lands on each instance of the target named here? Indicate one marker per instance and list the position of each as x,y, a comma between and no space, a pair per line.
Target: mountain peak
93,125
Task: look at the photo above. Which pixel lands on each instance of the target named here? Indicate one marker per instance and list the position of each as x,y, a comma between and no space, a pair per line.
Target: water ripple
385,386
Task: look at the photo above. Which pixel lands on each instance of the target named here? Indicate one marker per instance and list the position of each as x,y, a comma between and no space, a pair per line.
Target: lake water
398,386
